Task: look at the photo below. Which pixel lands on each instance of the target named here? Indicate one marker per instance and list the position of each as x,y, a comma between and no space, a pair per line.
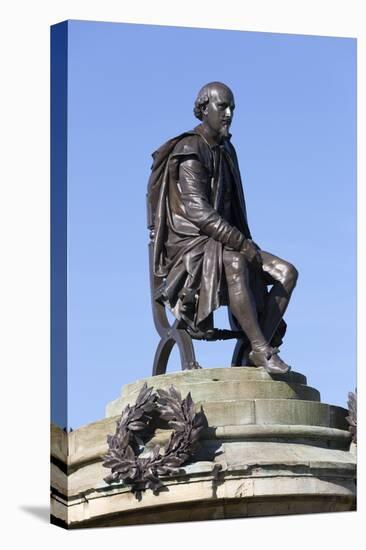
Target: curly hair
201,102
203,97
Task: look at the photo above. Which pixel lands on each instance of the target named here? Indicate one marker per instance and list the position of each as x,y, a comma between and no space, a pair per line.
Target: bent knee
289,275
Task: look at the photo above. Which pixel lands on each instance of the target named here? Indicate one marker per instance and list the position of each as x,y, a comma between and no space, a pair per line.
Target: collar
202,131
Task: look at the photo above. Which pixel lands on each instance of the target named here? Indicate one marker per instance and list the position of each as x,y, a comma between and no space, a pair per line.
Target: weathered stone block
270,448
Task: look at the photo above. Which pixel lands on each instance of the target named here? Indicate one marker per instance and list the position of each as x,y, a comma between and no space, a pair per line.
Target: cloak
188,228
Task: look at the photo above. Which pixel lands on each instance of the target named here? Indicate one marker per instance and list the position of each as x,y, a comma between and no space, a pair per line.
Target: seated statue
203,248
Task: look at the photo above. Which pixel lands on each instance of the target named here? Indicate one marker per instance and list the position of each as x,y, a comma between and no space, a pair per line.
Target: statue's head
215,107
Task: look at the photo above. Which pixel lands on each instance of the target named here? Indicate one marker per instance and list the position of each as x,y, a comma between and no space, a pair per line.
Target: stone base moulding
270,448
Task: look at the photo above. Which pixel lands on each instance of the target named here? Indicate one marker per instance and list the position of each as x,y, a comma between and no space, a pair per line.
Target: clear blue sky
130,88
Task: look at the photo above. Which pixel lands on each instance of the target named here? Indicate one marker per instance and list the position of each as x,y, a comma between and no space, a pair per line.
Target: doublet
199,209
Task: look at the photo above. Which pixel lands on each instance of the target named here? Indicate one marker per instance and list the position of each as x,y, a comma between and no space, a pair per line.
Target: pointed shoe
270,361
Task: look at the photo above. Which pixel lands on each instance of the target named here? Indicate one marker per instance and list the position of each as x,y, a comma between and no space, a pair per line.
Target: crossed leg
277,272
241,299
283,276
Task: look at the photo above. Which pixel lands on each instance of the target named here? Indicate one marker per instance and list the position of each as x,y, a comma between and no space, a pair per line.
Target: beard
224,130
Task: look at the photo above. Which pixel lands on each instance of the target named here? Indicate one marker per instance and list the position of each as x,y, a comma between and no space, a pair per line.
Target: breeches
274,269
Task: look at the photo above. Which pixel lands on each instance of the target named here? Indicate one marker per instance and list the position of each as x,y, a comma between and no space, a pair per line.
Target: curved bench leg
186,350
237,357
162,354
238,354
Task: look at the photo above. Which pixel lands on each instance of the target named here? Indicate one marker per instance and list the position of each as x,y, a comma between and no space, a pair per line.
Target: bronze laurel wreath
136,426
352,415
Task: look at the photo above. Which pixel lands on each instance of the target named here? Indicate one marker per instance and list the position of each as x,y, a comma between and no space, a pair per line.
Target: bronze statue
203,252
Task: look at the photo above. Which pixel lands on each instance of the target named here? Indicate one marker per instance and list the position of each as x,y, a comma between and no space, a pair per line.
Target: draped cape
186,260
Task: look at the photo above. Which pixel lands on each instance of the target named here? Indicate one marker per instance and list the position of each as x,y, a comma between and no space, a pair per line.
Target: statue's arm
194,187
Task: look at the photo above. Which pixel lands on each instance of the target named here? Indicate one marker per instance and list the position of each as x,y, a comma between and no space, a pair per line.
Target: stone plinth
271,447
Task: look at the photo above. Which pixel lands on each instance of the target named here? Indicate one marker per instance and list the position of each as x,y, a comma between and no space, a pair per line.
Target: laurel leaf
351,421
156,452
114,443
144,395
124,440
111,463
137,414
143,390
125,415
176,439
163,393
129,454
175,394
136,425
195,434
177,426
169,446
162,470
189,405
173,461
167,416
111,478
198,420
177,408
352,416
111,440
149,406
165,409
352,405
123,473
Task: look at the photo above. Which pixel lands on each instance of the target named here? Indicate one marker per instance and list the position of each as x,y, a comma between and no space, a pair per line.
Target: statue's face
218,113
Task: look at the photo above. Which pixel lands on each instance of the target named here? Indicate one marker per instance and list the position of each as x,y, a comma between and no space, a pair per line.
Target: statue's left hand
251,253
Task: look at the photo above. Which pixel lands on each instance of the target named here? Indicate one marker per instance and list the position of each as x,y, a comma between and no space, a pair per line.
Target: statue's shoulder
190,144
169,146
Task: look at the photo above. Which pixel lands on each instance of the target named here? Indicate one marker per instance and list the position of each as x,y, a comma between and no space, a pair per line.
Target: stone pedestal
271,448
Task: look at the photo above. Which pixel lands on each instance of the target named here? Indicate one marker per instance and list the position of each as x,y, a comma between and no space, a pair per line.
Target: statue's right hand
251,253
